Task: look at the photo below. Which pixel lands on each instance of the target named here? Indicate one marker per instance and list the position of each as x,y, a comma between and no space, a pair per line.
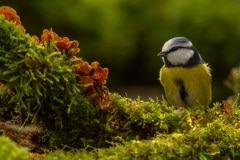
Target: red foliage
63,43
48,35
93,77
99,73
11,15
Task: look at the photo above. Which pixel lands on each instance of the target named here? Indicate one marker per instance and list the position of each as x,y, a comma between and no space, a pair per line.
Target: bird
185,77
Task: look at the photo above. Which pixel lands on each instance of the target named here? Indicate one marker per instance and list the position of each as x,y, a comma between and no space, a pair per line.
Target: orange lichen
92,77
99,73
93,71
63,43
11,15
48,35
74,47
86,81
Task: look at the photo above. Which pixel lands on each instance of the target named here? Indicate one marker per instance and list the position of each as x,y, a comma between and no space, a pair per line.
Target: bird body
187,86
186,78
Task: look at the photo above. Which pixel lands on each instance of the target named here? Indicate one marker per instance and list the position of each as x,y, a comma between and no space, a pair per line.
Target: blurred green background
126,35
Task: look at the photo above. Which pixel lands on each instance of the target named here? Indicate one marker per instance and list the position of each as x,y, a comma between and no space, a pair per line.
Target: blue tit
185,77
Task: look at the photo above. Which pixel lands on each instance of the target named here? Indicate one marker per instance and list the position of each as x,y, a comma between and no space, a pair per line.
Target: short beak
161,54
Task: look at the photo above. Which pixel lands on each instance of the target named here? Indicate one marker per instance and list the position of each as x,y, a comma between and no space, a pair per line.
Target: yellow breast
187,86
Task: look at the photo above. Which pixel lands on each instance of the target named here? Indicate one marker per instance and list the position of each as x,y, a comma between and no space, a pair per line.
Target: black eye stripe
176,48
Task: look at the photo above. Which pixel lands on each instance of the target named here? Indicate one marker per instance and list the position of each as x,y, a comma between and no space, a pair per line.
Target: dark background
126,36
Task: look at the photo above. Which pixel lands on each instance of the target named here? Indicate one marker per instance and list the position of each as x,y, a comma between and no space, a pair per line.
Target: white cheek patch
180,56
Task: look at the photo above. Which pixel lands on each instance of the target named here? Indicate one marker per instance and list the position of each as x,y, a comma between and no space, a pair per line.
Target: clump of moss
143,119
43,82
11,150
194,134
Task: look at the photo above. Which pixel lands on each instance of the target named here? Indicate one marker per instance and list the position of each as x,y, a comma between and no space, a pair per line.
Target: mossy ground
153,130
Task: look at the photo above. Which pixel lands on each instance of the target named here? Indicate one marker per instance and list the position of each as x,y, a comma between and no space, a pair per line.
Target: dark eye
174,49
178,47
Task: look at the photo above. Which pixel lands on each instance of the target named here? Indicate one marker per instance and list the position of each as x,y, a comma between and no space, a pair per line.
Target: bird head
179,51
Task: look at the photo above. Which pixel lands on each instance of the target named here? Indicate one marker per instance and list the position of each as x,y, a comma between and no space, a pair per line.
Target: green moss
35,75
195,134
12,151
39,85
